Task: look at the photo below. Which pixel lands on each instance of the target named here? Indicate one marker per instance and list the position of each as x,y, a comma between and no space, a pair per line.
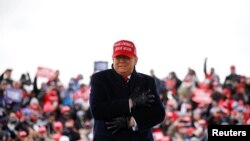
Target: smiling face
124,65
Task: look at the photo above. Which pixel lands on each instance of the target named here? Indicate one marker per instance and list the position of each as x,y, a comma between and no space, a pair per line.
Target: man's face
124,65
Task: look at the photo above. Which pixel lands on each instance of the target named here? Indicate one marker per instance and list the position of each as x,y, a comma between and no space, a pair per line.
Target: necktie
126,78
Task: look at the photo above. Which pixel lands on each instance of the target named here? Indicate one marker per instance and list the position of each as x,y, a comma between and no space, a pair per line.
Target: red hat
65,109
124,47
58,125
18,114
34,107
22,134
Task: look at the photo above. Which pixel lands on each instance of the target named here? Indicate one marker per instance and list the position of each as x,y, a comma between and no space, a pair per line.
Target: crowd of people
191,105
52,111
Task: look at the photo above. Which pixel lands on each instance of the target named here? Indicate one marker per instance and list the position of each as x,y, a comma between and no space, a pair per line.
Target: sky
170,35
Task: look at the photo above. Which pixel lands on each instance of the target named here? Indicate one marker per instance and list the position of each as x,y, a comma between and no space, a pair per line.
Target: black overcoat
109,99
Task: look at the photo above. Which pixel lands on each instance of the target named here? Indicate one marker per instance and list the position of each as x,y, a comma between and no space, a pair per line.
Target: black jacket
109,99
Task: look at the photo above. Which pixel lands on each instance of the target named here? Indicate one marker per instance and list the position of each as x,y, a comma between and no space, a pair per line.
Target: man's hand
142,99
117,124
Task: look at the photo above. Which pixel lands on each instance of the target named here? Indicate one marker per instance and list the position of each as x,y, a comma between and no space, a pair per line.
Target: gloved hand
142,99
117,124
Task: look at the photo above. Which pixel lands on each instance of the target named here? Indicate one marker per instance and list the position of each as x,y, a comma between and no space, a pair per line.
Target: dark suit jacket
109,99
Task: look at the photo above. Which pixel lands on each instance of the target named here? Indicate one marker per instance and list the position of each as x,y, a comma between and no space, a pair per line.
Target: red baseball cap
22,134
58,125
124,47
65,109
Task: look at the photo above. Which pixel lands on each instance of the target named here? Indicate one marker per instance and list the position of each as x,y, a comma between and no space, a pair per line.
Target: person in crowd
232,80
160,84
212,78
7,77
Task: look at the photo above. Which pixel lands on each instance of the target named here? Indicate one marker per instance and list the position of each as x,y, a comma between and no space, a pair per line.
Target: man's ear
136,59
